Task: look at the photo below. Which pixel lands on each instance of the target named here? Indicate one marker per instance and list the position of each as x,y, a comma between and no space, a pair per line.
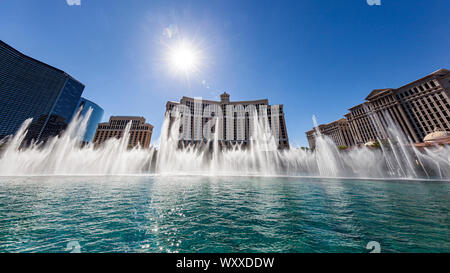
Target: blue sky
316,57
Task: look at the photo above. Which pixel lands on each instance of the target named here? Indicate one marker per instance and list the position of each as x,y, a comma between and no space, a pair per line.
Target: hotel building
235,120
418,109
338,131
363,126
32,89
140,132
94,119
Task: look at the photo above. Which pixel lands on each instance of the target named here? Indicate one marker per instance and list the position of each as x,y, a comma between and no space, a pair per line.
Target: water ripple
222,214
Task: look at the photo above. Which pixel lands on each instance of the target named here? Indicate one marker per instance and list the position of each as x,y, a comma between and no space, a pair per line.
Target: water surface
222,214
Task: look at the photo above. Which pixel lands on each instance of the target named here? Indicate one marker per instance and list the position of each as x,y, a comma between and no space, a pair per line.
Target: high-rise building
32,89
419,110
363,125
338,131
140,132
94,119
234,117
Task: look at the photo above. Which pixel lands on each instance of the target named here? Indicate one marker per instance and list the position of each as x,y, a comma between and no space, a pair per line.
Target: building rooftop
441,72
377,92
37,61
321,126
91,102
225,100
126,118
112,118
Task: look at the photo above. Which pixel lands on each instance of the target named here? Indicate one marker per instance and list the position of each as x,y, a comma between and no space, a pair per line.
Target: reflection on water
225,214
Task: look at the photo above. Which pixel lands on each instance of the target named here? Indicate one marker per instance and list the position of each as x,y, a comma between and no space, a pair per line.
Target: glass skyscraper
95,118
32,89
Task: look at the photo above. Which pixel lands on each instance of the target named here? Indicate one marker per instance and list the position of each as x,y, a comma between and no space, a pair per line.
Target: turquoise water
222,214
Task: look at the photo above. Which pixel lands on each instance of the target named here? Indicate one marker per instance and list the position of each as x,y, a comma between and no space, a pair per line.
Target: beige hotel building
418,109
338,130
235,122
140,132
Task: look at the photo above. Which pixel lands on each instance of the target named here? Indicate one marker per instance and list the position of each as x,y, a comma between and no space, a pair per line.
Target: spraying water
63,155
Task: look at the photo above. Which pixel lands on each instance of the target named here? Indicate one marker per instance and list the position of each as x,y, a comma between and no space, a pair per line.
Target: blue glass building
32,89
95,118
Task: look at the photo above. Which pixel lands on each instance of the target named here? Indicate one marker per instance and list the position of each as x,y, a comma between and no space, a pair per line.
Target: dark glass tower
95,118
32,89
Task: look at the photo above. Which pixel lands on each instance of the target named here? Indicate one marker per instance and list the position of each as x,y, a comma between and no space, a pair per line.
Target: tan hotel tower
140,132
235,117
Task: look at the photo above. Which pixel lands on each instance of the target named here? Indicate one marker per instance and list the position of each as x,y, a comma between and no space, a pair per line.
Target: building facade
363,126
416,109
338,131
140,132
32,89
94,119
236,120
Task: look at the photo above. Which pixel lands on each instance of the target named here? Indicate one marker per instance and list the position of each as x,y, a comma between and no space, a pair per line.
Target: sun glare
184,58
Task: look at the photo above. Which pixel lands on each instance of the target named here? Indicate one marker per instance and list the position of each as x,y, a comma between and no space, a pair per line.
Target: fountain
63,155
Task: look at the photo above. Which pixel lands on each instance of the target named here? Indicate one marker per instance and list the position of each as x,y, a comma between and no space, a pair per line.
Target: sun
183,57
